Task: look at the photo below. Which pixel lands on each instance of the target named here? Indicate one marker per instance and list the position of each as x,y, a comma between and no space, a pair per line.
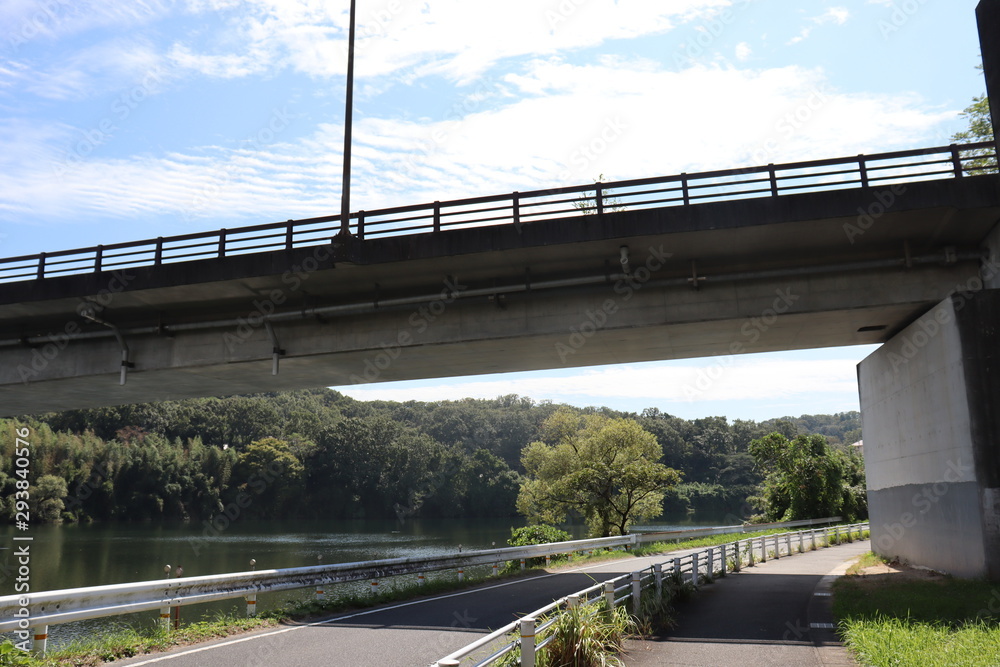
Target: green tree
980,128
605,470
47,496
803,478
268,470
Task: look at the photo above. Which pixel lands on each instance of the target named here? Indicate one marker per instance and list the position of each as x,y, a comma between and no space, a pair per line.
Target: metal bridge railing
517,208
33,613
527,637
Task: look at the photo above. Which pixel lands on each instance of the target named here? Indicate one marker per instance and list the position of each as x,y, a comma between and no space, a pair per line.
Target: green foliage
980,128
917,623
806,479
188,459
537,534
12,656
587,637
605,470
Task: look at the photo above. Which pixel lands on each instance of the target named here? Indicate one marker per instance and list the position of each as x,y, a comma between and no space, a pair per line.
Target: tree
980,129
605,470
803,479
609,203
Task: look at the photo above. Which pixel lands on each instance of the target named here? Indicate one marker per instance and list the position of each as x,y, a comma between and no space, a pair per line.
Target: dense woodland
318,453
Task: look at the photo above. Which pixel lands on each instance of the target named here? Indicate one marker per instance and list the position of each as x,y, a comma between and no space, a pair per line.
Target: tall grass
889,621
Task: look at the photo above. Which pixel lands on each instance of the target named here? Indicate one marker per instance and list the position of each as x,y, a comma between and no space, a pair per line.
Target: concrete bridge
898,248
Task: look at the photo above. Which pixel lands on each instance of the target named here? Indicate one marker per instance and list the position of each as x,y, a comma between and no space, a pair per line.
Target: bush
535,534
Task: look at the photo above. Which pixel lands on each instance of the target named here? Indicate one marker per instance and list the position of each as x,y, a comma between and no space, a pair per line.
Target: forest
318,453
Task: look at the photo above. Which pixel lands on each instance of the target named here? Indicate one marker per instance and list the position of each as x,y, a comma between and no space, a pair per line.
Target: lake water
71,556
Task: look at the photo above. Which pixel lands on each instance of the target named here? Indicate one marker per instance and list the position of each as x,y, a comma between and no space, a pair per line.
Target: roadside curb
822,626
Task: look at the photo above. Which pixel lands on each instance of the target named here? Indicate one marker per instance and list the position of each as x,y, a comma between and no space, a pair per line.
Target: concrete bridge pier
930,407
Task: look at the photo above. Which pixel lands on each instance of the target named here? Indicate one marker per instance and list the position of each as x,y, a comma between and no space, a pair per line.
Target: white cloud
743,51
837,15
555,123
712,380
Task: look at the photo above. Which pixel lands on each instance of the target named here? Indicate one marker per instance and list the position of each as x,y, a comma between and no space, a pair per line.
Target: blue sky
127,120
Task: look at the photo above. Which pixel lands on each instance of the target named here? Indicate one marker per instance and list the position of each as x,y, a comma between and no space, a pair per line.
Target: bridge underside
812,270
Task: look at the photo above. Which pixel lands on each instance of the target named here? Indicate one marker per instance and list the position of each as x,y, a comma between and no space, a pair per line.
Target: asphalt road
407,634
766,606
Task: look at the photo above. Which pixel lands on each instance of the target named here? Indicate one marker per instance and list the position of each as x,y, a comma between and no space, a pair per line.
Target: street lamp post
345,196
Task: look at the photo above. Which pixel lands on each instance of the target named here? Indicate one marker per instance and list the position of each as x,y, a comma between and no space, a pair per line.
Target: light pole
345,196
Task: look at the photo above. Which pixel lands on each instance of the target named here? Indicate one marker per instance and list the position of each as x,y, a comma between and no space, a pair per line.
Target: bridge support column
932,438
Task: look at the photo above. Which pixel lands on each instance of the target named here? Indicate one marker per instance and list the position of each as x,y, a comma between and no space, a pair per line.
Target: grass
128,642
901,621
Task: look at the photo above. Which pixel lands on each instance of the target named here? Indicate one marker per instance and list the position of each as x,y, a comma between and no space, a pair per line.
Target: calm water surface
71,556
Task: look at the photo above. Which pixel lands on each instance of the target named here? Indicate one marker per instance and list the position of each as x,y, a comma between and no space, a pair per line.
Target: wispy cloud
835,15
519,132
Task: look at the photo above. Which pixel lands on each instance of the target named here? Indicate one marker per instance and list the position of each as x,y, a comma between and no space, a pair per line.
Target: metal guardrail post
522,563
447,663
658,579
421,580
39,639
812,537
863,170
677,566
737,558
437,216
548,560
516,207
375,585
461,574
777,548
802,544
527,642
165,619
774,179
788,543
836,533
722,568
694,569
763,549
750,554
636,592
609,594
711,562
251,605
573,602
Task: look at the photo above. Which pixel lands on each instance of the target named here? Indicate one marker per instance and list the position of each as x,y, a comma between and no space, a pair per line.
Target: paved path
418,632
766,615
408,634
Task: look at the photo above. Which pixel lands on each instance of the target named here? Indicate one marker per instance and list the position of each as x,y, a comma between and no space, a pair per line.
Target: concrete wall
931,438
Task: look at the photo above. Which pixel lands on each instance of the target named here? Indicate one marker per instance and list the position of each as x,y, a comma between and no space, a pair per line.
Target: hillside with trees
318,453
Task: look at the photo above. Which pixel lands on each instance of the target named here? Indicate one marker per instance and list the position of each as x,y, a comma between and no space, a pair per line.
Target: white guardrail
528,635
34,612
